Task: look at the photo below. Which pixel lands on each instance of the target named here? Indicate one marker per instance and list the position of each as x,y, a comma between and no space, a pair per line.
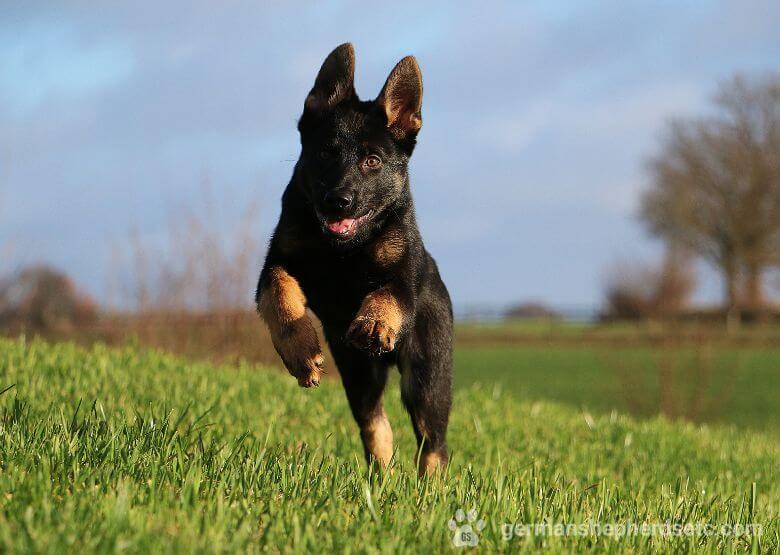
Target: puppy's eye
324,155
372,161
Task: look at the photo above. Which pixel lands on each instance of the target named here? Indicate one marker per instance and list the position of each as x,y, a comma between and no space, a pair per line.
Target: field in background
692,371
553,332
130,450
738,386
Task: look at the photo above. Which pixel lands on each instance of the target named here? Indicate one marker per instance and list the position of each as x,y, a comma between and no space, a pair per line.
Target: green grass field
126,450
721,385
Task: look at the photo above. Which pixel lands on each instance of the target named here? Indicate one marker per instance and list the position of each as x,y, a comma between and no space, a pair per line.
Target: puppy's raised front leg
378,322
282,305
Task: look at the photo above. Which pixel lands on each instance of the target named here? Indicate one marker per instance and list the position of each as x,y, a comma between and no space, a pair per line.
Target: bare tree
752,134
638,290
675,282
715,187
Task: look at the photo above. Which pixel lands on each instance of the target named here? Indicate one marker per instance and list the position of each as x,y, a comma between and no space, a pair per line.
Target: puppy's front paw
300,351
307,370
371,335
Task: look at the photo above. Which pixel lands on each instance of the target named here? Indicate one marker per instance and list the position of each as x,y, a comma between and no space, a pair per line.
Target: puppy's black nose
340,200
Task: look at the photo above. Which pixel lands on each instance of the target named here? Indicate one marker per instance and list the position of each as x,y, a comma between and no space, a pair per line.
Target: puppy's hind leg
426,391
364,380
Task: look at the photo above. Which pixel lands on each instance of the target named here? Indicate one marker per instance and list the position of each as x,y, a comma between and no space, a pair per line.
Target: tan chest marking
389,248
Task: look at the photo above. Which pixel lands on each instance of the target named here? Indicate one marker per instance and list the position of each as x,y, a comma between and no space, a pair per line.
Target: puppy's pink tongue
341,226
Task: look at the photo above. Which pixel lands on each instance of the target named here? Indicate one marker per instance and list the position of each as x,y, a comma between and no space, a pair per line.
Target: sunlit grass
106,450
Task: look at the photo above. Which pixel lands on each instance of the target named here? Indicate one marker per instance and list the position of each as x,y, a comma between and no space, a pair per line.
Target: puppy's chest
340,277
336,286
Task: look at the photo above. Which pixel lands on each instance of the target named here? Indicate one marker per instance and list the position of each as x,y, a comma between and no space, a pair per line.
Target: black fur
384,252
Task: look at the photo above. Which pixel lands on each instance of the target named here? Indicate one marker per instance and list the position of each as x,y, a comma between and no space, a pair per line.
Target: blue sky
537,118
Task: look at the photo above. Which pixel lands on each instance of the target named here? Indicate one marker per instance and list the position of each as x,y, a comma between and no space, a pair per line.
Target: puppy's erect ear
401,98
335,81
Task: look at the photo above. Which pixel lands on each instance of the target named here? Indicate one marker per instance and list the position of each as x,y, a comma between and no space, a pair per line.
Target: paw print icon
466,527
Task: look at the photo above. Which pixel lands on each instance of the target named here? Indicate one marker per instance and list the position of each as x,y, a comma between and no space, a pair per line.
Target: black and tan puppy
347,247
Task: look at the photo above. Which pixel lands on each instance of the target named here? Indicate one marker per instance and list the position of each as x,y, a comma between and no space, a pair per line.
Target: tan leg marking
378,437
377,323
431,463
283,307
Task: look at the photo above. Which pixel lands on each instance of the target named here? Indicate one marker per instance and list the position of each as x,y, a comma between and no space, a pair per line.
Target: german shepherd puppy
348,248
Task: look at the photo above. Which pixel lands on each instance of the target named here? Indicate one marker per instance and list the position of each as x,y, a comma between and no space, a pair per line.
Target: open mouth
347,226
